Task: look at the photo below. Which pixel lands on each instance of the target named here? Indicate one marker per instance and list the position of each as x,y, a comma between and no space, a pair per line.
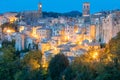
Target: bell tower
86,9
39,9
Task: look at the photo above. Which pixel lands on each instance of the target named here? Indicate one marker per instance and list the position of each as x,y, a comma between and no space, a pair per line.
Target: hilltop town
86,40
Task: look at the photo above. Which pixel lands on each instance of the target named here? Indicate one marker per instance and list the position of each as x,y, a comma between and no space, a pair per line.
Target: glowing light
21,29
79,42
55,48
35,36
34,33
8,31
40,6
76,31
95,55
66,38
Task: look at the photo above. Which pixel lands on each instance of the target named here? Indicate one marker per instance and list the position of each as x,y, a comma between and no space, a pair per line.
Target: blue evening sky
57,5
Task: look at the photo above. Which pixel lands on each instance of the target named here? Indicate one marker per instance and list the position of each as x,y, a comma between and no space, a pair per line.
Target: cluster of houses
70,36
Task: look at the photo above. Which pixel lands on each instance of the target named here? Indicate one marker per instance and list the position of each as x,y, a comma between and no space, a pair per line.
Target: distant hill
67,14
29,16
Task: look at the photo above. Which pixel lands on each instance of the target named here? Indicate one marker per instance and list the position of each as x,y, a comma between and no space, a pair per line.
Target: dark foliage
57,66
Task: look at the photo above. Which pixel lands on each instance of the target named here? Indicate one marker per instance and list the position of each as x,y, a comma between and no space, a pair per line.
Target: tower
86,9
39,9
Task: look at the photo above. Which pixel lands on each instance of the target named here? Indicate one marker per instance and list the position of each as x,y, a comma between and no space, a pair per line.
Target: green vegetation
6,43
32,60
14,68
95,65
9,63
114,45
104,66
57,65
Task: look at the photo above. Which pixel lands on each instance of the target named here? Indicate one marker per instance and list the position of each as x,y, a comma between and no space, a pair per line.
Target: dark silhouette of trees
57,66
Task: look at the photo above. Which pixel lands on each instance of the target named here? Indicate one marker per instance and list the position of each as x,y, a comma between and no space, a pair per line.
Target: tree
6,43
83,68
32,60
69,73
114,45
40,74
57,66
9,63
31,67
93,66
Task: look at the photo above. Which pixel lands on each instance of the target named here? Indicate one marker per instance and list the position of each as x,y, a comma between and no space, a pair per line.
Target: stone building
110,27
19,42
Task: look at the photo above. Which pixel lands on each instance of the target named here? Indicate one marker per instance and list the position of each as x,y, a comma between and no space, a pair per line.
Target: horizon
57,6
55,11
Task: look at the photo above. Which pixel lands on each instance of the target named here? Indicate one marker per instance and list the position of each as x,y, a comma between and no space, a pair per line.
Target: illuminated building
44,46
44,33
3,20
56,31
21,28
94,45
8,31
97,21
76,29
11,17
110,27
93,32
